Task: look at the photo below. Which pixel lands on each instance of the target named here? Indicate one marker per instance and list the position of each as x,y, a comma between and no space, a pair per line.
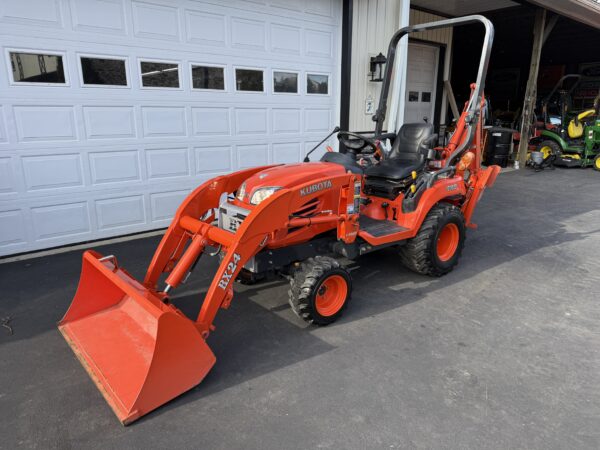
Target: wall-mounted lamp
376,67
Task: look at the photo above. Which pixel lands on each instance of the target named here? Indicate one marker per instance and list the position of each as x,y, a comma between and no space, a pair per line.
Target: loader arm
199,202
256,231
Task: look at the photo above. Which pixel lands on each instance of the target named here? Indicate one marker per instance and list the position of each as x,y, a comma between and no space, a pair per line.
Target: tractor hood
288,176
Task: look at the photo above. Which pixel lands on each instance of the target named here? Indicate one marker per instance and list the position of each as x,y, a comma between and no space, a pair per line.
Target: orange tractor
297,221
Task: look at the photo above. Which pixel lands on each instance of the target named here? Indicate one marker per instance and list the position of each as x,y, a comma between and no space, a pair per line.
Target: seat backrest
575,127
409,139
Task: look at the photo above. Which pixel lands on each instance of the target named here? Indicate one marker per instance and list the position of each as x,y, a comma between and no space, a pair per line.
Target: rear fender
555,137
442,189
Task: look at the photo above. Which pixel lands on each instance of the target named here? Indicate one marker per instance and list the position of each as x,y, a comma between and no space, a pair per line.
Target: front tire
437,247
550,149
319,290
596,165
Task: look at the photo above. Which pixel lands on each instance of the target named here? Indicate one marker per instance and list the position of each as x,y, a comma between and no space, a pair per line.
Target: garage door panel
105,16
12,228
250,120
170,162
248,34
60,220
213,159
114,166
3,136
151,20
319,43
286,120
86,162
286,152
109,122
120,212
210,121
252,155
43,123
285,39
317,120
319,7
164,204
162,121
205,28
52,171
38,12
7,179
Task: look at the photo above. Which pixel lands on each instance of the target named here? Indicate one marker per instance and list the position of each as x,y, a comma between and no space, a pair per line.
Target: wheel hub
331,295
447,241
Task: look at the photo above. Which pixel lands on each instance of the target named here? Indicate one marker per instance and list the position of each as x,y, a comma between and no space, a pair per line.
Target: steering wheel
358,143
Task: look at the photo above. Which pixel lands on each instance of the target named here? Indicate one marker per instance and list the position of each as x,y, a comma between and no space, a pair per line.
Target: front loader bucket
139,351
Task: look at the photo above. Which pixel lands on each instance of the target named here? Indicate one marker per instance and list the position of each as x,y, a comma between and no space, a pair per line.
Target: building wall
373,24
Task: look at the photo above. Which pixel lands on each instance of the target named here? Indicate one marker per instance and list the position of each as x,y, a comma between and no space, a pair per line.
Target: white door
111,111
420,83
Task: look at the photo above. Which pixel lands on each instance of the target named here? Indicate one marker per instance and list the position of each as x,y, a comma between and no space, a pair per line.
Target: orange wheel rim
447,242
331,295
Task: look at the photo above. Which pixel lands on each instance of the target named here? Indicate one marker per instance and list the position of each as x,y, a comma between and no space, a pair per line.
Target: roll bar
473,108
560,83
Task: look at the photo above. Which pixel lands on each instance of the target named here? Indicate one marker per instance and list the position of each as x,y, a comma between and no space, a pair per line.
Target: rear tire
319,290
437,247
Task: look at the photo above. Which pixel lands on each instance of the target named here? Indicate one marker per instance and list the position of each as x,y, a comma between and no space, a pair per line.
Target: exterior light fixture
376,66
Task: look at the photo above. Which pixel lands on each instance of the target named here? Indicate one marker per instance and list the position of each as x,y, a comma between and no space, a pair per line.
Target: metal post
531,90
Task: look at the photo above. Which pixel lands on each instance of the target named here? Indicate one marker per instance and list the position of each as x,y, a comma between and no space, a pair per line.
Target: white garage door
113,110
420,83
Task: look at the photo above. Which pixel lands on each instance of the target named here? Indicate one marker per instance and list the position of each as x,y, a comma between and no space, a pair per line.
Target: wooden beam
549,26
531,90
451,99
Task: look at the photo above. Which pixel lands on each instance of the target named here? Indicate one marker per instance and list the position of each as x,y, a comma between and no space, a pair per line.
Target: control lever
335,130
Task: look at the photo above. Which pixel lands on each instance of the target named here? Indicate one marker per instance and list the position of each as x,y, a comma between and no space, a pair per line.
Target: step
379,228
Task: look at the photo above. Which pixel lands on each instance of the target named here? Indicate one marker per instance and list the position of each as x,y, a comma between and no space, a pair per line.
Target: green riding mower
577,144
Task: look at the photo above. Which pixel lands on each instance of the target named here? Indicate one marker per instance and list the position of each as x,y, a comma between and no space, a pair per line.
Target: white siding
374,23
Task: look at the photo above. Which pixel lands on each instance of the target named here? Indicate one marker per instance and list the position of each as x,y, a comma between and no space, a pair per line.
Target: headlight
241,193
263,194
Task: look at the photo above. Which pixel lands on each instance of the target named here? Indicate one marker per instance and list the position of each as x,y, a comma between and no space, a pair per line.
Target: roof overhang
584,11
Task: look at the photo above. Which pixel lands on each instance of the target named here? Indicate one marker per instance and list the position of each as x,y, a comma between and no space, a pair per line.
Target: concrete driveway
504,352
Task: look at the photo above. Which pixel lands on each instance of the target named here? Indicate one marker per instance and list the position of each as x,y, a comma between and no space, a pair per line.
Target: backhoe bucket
139,351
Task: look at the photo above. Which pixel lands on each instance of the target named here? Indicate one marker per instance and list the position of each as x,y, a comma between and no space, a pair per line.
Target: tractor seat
575,127
406,155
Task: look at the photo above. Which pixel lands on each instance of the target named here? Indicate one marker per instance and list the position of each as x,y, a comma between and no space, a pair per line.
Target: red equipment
291,220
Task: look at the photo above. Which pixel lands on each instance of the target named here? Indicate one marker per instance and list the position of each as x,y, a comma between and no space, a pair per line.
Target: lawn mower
553,110
578,143
298,221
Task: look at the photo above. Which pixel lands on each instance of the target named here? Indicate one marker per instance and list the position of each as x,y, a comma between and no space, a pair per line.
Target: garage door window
249,80
37,68
159,74
208,77
285,82
97,71
317,84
